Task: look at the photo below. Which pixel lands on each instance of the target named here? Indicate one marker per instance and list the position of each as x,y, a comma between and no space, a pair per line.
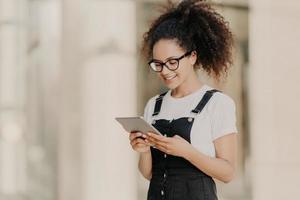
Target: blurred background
68,67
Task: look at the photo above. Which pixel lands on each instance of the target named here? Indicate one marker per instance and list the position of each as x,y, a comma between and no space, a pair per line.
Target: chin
171,86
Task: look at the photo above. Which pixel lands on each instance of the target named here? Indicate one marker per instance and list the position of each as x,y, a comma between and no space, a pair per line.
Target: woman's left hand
176,145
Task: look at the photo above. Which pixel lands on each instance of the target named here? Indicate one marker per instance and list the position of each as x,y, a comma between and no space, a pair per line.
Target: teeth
170,77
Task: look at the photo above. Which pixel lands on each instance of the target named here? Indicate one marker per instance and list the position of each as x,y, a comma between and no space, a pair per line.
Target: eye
157,64
172,62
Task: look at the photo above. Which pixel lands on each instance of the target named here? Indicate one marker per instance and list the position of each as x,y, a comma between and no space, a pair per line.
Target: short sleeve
148,110
223,117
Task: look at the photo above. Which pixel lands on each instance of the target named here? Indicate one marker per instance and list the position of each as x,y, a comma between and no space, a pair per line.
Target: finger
163,144
133,135
157,142
158,137
140,140
137,146
144,136
149,143
140,145
177,136
153,140
161,148
137,140
133,142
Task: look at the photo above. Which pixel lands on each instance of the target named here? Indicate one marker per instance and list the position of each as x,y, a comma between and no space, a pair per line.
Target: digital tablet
136,124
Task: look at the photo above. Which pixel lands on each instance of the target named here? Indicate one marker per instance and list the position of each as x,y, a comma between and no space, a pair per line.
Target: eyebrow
169,58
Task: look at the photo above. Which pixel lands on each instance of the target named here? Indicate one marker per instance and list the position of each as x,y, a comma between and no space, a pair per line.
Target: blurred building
68,67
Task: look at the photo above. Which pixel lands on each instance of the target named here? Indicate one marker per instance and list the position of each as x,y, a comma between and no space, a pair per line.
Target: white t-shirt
218,117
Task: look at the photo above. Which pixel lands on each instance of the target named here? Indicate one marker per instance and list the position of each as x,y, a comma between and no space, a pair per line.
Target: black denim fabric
174,178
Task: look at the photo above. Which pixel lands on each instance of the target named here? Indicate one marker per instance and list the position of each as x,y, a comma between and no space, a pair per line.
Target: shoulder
149,108
221,101
221,97
151,101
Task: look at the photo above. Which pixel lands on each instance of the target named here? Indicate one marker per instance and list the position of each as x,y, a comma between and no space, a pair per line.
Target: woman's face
166,49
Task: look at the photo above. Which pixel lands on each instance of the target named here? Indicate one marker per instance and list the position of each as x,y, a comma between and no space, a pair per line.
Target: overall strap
208,94
158,103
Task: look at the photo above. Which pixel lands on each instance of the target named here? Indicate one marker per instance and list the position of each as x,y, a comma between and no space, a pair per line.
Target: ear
193,57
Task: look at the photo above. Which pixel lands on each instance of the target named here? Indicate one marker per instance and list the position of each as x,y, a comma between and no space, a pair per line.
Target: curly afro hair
196,26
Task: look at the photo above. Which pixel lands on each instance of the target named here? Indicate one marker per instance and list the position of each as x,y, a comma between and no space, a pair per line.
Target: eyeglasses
172,64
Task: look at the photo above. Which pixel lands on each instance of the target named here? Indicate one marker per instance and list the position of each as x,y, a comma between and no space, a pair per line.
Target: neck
189,86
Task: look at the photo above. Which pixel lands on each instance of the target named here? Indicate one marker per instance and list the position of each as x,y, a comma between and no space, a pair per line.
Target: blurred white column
12,86
109,90
274,98
42,107
70,161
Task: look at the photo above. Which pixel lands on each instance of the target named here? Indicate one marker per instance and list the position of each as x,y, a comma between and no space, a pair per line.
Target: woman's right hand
137,143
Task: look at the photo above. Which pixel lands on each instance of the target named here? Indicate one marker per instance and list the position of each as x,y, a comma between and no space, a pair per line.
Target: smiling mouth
170,77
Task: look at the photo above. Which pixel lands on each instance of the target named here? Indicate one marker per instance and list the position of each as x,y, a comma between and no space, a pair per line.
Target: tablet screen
134,124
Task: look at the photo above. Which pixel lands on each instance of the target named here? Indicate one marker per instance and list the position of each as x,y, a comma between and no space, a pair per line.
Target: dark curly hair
195,25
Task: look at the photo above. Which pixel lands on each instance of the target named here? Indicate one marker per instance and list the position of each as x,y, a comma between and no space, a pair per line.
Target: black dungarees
173,177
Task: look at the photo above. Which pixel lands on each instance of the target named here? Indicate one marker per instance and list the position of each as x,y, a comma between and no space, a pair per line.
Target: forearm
145,164
218,168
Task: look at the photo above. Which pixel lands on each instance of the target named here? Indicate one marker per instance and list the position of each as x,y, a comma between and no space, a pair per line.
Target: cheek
184,70
160,76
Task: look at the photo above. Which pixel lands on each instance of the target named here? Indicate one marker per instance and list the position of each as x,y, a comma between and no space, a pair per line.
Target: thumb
177,136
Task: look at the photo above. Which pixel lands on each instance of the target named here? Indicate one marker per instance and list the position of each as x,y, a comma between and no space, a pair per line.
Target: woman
198,122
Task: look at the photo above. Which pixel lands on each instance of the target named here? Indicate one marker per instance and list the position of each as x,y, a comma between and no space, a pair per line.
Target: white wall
274,98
